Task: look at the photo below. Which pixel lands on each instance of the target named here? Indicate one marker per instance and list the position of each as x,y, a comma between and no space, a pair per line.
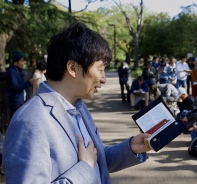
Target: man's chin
90,97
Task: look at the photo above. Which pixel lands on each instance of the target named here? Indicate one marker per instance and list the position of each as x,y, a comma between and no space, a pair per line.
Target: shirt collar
68,106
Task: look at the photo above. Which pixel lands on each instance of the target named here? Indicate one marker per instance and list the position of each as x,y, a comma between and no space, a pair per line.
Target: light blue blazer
41,146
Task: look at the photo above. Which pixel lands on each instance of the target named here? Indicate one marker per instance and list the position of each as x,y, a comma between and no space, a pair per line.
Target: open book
157,120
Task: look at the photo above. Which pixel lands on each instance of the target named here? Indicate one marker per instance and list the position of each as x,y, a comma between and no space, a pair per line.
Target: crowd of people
175,80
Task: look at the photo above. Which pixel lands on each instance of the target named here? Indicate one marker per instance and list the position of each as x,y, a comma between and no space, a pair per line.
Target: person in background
191,65
39,75
190,121
15,84
194,79
163,75
123,73
171,70
139,88
184,101
168,90
156,65
189,118
182,70
53,138
194,131
150,75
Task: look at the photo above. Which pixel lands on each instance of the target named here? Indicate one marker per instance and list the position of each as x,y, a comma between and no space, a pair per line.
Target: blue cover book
157,120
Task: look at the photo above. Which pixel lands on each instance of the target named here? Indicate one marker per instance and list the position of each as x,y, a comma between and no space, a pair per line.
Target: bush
136,72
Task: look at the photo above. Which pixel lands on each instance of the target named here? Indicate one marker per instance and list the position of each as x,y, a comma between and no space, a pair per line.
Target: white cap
181,91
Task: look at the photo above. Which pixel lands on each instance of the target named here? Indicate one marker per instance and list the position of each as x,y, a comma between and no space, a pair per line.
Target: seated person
139,87
184,101
168,90
189,118
194,131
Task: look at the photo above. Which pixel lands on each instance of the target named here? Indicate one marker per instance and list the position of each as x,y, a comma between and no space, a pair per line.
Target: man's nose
103,80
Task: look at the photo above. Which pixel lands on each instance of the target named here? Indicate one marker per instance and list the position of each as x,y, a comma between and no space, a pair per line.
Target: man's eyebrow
102,64
105,63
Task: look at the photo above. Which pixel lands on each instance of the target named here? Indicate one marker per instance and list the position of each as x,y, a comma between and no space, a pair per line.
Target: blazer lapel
58,112
65,121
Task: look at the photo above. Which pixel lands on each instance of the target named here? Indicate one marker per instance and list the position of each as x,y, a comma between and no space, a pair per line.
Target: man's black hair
183,57
41,65
140,78
155,57
77,43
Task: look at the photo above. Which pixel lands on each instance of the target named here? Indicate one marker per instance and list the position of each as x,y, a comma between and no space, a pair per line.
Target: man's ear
71,68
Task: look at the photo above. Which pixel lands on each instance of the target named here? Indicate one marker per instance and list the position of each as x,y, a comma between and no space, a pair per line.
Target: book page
155,116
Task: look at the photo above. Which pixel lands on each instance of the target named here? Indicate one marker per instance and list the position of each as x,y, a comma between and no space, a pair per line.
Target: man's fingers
90,144
81,143
147,146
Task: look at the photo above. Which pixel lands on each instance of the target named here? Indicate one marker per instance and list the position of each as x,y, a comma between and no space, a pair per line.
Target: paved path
171,165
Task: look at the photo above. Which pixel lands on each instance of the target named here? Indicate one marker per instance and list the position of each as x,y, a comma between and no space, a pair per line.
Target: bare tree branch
128,21
89,2
134,32
140,17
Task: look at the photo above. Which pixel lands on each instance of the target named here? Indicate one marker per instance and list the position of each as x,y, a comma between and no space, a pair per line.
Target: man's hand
180,100
139,143
195,126
88,154
32,81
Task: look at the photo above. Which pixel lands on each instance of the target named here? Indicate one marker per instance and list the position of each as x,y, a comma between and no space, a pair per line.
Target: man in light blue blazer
52,138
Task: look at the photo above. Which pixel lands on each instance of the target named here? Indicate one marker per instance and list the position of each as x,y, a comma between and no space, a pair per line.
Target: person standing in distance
39,75
15,83
123,74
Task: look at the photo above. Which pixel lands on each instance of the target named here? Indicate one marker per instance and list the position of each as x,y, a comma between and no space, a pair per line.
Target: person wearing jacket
15,83
139,88
123,74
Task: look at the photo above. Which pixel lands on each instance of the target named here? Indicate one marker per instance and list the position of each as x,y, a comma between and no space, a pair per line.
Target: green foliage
32,26
169,37
135,73
32,22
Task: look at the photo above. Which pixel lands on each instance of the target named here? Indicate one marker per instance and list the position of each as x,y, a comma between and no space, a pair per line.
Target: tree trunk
136,49
69,6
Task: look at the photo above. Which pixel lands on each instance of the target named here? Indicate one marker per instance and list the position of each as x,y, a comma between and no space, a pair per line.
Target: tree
32,25
153,39
108,22
134,29
83,9
183,34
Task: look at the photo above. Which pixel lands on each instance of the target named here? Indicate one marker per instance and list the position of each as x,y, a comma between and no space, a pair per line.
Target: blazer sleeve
120,156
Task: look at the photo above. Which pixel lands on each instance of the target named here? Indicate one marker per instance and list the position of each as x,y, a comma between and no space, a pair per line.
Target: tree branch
89,2
131,30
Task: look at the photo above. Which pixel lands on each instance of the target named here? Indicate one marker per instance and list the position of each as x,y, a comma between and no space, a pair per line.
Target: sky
172,7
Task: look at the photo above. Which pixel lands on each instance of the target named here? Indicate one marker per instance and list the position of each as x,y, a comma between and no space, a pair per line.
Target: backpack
140,104
193,147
